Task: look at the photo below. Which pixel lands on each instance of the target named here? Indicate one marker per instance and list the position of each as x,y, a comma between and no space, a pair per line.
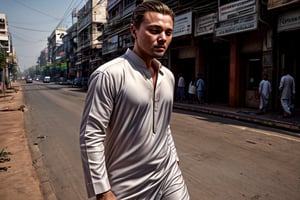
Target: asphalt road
220,158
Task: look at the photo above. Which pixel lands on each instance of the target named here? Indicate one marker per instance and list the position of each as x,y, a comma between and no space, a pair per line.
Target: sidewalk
17,174
271,119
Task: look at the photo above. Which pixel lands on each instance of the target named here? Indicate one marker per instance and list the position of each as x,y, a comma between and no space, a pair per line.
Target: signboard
289,21
205,24
238,25
182,24
279,3
233,9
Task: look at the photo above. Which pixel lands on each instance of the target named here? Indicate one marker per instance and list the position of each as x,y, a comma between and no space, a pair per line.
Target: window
2,23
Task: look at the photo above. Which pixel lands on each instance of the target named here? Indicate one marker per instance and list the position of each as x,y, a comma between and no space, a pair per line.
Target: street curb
294,127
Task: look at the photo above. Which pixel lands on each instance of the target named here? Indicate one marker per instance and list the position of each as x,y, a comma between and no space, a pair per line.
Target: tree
2,69
2,59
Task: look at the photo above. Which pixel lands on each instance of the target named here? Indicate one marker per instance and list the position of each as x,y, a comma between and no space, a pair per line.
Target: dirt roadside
18,175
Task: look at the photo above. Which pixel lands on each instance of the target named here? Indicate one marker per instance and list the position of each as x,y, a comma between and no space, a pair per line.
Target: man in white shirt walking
200,84
181,87
127,148
287,90
264,90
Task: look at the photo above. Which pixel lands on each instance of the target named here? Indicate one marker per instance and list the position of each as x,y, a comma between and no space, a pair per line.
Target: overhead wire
29,29
66,14
69,11
73,4
34,9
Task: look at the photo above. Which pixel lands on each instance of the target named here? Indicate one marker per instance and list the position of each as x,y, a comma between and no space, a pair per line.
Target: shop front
251,68
289,46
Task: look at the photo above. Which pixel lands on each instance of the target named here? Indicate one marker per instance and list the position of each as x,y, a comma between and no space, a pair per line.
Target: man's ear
132,30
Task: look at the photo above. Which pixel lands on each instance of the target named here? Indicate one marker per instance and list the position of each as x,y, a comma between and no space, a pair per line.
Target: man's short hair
149,6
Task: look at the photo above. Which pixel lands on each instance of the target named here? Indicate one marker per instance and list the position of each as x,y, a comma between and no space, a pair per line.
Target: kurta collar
140,63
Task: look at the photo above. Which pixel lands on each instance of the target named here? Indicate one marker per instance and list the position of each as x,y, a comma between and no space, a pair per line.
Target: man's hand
109,195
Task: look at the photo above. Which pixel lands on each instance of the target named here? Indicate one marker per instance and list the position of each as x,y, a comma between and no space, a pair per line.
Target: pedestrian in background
200,84
127,148
287,91
181,87
192,90
264,90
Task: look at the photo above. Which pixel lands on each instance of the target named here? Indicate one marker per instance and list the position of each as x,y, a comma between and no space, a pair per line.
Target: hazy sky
31,22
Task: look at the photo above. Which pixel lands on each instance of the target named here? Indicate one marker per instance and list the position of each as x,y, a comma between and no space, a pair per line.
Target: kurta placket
156,99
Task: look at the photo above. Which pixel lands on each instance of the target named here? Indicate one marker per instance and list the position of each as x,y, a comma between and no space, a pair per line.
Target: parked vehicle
28,80
77,82
61,81
69,82
84,83
46,79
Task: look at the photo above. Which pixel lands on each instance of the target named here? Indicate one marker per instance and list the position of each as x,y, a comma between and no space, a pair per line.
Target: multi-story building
90,21
285,40
116,36
4,34
43,69
70,48
56,51
6,49
230,42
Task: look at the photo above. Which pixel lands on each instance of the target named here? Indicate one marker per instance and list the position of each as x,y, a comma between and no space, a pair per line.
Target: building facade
232,43
90,22
8,59
56,53
286,41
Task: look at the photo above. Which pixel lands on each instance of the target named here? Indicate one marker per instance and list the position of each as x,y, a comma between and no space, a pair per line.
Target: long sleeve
281,84
172,144
260,87
294,87
98,107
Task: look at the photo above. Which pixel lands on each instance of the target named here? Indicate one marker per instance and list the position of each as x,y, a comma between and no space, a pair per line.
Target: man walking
200,84
126,143
264,90
287,90
181,87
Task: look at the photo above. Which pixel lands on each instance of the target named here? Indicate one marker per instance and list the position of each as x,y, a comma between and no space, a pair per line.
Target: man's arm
294,87
95,120
281,84
171,143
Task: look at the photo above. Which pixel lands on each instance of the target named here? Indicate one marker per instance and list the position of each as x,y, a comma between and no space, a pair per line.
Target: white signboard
238,25
289,21
205,24
235,9
182,24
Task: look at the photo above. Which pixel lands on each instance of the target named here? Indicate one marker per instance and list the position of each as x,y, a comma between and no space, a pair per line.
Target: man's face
153,36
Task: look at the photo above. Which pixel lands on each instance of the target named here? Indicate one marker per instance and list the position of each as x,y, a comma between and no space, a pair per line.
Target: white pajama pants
286,105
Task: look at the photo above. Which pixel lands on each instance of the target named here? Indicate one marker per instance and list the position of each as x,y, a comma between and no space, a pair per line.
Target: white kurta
125,138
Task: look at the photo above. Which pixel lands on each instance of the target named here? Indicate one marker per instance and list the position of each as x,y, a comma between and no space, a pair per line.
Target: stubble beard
157,54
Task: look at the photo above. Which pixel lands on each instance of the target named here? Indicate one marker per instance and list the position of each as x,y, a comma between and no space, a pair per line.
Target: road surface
220,158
